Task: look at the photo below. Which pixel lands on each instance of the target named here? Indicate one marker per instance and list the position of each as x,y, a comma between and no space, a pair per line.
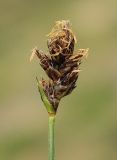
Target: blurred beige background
86,126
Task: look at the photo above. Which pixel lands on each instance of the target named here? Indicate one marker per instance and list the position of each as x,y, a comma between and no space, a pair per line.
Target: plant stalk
51,137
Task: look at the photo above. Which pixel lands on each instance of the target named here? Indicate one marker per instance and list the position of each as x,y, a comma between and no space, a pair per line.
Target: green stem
51,137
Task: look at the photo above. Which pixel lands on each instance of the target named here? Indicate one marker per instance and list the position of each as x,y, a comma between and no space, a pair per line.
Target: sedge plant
61,65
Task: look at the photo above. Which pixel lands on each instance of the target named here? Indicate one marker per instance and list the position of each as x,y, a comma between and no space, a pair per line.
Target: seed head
61,64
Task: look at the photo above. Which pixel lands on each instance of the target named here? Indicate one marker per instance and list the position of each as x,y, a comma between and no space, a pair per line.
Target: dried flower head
61,65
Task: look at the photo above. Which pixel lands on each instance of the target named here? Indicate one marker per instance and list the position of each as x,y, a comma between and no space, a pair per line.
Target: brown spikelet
61,64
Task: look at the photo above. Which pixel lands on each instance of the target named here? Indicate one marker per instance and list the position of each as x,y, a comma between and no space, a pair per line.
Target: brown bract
61,64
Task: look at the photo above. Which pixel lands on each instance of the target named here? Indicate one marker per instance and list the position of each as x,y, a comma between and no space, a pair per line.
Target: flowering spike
61,65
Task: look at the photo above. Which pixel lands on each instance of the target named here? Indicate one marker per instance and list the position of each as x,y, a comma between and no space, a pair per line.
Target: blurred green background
86,126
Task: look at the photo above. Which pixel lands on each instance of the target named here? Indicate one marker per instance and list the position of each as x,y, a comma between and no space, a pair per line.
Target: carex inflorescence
61,64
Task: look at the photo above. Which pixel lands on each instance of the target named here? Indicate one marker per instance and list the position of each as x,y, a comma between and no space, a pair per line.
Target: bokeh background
86,125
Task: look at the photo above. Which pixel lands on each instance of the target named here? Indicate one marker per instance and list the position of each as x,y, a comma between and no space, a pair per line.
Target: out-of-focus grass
87,119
